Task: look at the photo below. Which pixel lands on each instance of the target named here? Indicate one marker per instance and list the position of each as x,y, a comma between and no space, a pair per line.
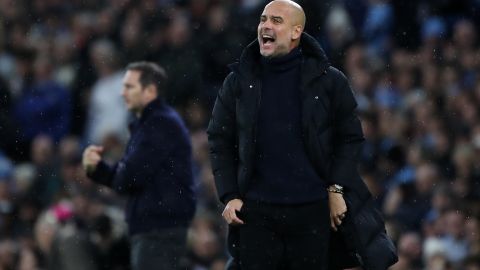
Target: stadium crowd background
414,66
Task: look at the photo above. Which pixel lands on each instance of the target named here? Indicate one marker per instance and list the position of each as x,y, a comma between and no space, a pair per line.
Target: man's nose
266,25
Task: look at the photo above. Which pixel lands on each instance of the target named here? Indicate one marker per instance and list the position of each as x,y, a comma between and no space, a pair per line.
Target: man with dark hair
150,74
155,173
284,142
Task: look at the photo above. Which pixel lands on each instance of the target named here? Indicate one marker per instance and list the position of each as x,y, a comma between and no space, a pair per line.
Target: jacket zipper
257,111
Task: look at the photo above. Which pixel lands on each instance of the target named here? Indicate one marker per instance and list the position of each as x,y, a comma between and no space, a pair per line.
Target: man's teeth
268,38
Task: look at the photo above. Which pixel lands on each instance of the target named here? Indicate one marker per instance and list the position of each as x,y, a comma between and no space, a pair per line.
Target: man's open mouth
267,39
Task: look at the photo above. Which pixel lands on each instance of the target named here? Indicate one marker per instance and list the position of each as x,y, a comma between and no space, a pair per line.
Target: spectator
44,107
46,184
105,98
409,252
456,245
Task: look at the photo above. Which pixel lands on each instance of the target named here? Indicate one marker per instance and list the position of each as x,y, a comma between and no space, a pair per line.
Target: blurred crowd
414,66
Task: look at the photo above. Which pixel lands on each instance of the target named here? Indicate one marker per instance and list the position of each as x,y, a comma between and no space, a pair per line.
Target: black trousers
159,250
282,237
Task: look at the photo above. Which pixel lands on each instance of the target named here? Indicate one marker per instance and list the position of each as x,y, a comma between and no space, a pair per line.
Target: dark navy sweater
155,173
283,173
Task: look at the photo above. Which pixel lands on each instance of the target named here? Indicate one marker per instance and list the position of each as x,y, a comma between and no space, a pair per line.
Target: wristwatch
335,188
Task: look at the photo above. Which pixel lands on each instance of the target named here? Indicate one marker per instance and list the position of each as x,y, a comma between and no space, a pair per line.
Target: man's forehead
276,8
131,75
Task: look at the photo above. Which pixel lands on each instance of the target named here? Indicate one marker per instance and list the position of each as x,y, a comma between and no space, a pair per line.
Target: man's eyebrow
277,17
273,17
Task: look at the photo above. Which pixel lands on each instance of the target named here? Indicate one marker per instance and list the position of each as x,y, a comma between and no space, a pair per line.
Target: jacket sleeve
348,136
222,141
103,174
155,144
135,169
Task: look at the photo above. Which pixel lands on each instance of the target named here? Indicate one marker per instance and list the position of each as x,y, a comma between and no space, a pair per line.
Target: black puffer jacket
332,138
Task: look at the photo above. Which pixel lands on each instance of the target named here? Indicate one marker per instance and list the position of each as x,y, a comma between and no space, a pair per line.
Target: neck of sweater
282,172
284,62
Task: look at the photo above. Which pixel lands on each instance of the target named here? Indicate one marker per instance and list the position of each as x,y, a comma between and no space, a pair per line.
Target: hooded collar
250,60
284,62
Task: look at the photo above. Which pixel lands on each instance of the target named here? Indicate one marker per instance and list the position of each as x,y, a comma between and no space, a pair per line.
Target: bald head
297,15
280,28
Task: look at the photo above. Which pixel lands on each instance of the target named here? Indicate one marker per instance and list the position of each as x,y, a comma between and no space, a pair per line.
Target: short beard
271,56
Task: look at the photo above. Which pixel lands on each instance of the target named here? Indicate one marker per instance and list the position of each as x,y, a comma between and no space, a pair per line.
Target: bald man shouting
284,141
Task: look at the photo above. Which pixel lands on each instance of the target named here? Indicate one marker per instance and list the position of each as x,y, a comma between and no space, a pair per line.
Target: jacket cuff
228,197
101,173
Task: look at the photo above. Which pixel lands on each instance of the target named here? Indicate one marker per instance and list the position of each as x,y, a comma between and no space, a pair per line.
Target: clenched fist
92,155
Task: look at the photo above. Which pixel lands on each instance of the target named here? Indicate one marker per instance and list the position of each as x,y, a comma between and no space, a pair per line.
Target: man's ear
297,32
151,90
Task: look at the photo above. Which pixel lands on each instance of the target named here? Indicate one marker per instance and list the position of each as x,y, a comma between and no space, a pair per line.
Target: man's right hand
229,212
92,155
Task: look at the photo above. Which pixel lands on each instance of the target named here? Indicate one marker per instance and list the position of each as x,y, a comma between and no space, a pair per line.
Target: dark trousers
282,237
163,250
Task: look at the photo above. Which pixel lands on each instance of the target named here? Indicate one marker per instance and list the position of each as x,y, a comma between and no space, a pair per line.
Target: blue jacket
155,172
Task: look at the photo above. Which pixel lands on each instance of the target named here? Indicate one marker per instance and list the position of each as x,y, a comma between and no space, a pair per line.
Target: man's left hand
338,209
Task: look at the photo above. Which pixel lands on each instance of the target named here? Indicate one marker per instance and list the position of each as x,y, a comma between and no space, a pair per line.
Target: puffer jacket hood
250,58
